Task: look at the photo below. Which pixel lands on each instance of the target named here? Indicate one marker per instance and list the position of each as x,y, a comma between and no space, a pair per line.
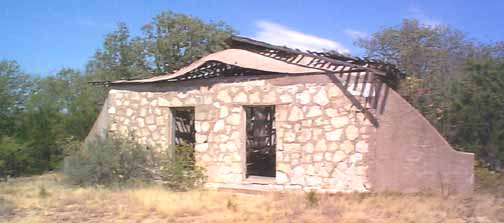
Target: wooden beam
289,50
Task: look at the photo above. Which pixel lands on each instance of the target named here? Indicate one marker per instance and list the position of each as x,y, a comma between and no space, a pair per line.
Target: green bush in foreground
119,162
181,172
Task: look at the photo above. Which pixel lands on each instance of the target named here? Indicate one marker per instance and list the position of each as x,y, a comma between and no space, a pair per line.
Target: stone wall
322,143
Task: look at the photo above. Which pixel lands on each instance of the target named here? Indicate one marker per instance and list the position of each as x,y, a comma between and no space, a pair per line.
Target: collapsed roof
250,54
363,81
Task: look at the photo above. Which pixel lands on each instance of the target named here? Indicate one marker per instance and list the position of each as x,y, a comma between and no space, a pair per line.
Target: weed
312,199
231,204
43,192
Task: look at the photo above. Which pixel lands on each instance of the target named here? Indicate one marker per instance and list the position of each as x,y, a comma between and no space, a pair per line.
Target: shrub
231,204
180,172
118,161
488,181
108,161
312,199
15,158
43,192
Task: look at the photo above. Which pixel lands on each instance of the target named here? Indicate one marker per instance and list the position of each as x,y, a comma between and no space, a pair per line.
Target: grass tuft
312,199
43,192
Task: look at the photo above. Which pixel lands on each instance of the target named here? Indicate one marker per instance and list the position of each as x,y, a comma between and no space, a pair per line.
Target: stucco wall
100,126
408,154
321,140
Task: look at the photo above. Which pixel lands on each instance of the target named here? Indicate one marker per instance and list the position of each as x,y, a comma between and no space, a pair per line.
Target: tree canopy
42,117
169,42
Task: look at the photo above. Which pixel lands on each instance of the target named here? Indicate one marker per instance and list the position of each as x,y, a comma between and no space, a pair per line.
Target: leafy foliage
117,161
121,57
106,162
173,40
169,42
15,157
476,113
432,57
181,172
15,88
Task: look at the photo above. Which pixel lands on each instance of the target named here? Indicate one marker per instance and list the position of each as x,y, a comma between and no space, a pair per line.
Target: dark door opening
183,126
261,141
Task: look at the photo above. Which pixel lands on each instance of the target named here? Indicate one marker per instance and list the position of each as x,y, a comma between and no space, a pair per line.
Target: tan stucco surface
409,155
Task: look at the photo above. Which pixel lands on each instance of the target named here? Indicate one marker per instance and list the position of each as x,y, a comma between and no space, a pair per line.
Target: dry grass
24,200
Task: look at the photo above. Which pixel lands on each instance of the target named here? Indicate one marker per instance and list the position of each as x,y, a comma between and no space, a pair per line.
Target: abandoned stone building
270,117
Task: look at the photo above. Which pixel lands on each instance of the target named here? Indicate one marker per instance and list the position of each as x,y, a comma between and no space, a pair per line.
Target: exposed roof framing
236,57
328,61
253,54
365,82
318,58
214,69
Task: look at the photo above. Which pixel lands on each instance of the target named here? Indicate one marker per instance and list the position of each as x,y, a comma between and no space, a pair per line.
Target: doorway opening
261,141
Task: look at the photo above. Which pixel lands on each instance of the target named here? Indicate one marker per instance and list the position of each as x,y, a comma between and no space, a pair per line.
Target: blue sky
45,36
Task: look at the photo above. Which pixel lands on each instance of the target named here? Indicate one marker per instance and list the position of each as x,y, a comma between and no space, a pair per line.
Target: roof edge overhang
234,57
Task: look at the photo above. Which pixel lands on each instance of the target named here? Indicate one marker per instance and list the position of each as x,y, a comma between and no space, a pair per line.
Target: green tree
174,40
61,108
431,57
476,111
169,42
122,57
15,86
15,157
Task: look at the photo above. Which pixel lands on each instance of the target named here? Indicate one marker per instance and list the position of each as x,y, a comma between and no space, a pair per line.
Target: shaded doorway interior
261,141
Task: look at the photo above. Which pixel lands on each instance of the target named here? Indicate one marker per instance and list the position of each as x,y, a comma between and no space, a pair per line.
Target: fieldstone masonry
322,142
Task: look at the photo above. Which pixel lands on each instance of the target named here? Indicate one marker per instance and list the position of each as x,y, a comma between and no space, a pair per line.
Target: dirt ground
47,198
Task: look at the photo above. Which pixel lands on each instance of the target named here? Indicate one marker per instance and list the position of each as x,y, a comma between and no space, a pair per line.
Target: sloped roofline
235,57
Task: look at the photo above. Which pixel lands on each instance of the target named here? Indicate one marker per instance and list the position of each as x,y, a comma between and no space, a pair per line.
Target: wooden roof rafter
217,69
316,57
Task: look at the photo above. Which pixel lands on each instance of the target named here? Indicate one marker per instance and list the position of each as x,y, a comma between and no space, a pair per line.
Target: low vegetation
23,200
123,162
